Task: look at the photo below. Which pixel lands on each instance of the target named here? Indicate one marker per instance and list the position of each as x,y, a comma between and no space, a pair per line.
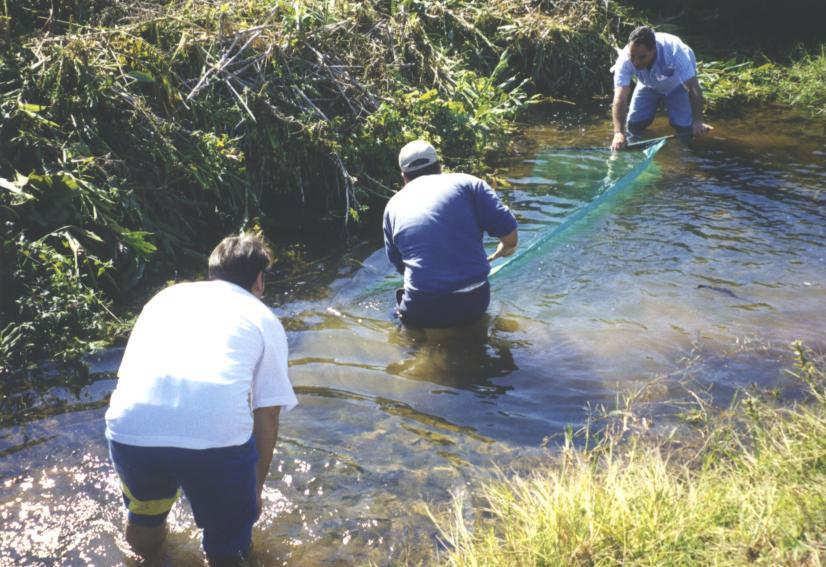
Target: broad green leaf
33,111
73,243
142,77
17,188
428,95
91,235
30,108
70,181
135,239
502,65
38,178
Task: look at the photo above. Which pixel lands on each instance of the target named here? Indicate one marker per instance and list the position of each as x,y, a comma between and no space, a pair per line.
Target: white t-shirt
200,358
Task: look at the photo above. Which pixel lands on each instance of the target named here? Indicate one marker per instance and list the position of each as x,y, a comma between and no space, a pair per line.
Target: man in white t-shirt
666,71
197,403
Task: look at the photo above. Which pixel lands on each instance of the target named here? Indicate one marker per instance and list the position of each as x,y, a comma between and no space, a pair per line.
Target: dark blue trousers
420,309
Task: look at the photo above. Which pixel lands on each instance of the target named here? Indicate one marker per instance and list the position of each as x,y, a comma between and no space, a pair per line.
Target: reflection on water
469,357
697,276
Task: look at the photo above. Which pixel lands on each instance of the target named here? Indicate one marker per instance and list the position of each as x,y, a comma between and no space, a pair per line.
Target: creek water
696,279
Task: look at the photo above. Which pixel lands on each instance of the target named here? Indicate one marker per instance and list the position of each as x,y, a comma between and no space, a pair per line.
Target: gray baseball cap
416,155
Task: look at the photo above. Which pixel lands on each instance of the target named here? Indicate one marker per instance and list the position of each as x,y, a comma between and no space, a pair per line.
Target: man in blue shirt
665,69
433,230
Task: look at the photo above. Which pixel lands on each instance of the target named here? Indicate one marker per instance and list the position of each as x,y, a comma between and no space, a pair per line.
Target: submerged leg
149,491
221,486
147,542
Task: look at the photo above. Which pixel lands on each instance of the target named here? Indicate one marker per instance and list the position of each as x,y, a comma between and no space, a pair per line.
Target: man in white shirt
197,403
666,70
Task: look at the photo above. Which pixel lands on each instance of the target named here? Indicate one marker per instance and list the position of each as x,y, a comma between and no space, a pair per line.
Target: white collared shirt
200,358
674,65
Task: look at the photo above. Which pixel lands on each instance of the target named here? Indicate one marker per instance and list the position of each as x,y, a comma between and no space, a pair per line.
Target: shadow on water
693,281
470,357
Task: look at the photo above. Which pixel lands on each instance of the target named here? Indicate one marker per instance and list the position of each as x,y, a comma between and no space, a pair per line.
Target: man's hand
699,128
618,142
506,247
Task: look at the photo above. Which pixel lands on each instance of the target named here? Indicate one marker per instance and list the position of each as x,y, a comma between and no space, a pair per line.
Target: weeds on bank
135,134
732,85
805,85
754,491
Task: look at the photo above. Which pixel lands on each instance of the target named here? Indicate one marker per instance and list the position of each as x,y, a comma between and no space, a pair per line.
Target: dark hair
643,35
431,169
239,259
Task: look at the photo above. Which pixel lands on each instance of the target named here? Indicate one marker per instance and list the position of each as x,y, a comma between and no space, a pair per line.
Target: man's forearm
695,96
506,247
619,111
266,448
265,430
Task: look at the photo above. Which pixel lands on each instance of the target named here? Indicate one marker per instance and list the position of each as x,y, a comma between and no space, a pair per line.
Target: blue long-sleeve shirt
433,231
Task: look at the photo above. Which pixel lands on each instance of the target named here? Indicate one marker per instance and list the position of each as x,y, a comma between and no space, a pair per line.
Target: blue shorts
644,104
220,485
419,309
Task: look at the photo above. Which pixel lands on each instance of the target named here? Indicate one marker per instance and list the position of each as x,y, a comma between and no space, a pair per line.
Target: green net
595,173
568,184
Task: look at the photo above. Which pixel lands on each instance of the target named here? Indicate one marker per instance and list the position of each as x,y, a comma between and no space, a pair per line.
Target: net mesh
566,186
591,179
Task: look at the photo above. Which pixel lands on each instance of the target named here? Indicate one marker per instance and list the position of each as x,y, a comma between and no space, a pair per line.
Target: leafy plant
133,139
734,84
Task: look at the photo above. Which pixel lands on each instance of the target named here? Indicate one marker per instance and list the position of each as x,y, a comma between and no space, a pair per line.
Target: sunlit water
697,277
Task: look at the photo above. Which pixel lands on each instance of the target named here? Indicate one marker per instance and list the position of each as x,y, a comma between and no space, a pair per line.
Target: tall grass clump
805,83
733,84
754,492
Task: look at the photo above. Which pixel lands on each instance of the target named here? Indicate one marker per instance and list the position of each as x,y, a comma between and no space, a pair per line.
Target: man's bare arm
507,245
619,112
265,429
695,97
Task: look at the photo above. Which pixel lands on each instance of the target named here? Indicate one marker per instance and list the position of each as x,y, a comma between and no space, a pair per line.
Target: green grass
805,83
754,491
733,85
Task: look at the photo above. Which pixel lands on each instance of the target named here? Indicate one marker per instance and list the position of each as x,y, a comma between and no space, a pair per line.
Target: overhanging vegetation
136,134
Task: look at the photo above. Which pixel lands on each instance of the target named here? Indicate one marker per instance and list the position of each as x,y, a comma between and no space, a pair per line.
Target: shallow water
696,277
